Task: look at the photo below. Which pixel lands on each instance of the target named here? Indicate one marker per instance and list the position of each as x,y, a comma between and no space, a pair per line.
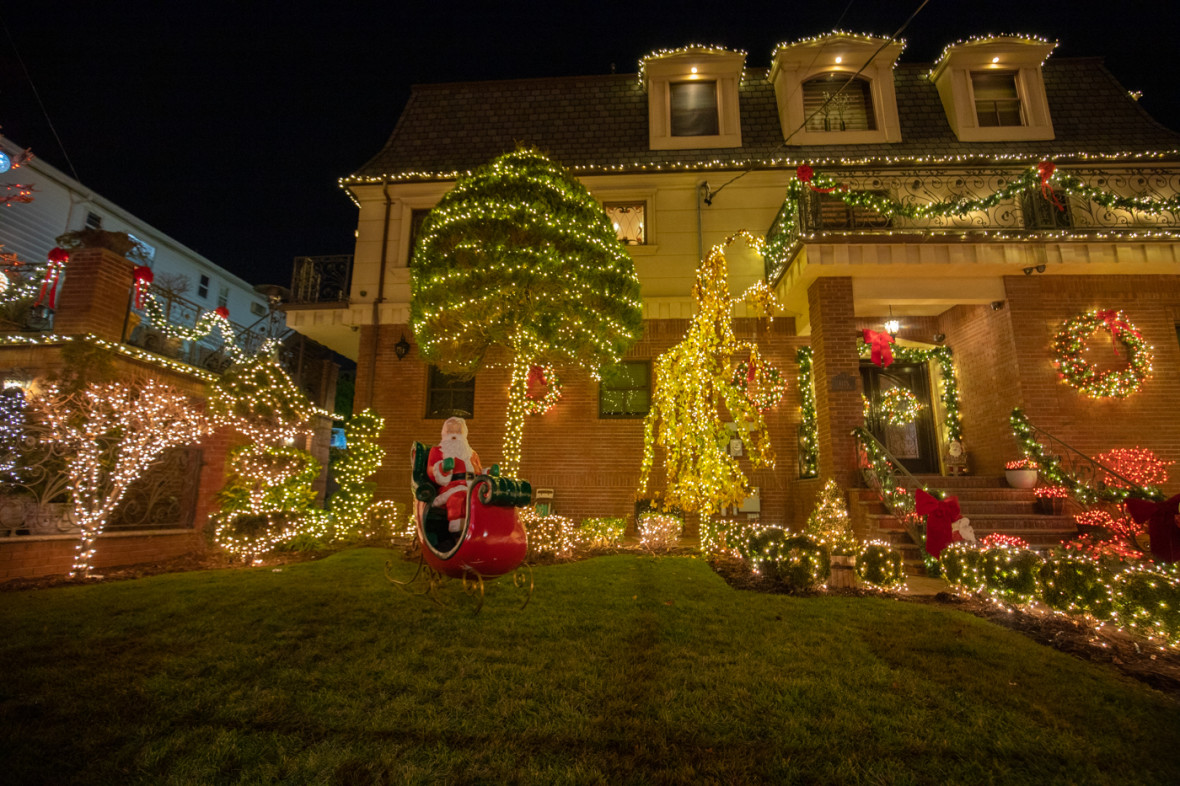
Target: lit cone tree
357,462
829,522
519,255
695,398
112,433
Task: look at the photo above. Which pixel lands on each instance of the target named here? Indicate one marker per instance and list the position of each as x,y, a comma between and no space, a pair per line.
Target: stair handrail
898,498
1085,477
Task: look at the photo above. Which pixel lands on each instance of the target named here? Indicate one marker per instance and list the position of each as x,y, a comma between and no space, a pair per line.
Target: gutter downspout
706,196
377,301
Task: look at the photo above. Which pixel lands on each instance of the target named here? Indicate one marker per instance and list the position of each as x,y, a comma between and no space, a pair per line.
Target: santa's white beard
455,446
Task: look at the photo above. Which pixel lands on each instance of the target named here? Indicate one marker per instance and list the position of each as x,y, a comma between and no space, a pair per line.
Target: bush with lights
1147,600
1011,573
796,562
880,566
353,466
962,566
549,536
602,531
659,531
519,255
724,537
1076,584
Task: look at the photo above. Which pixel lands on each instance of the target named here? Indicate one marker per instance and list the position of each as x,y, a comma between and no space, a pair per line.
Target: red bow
143,277
222,312
1116,325
940,515
805,173
536,376
879,342
57,260
1046,169
1161,525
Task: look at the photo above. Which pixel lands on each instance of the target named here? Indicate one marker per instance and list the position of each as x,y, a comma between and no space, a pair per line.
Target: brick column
835,364
93,295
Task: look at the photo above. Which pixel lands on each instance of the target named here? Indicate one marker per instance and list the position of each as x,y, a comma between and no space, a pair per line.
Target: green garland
808,422
944,357
1069,349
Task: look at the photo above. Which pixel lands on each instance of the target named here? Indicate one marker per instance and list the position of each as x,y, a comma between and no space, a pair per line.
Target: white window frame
650,225
723,68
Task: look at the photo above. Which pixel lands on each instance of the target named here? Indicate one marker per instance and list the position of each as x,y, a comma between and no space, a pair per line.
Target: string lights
808,422
879,566
602,531
550,535
1071,343
659,531
358,461
899,407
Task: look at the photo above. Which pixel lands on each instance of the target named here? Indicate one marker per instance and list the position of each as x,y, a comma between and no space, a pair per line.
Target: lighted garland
210,321
518,255
771,386
784,235
544,377
899,407
949,383
808,422
1070,345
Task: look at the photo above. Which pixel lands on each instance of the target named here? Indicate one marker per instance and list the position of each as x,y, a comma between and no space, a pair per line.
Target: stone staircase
990,503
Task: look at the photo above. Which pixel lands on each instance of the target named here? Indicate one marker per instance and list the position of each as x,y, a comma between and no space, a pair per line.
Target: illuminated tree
695,400
519,255
113,432
829,522
358,461
258,399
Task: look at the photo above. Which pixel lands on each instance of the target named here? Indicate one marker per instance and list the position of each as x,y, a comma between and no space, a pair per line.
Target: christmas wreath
899,406
1071,344
771,387
543,390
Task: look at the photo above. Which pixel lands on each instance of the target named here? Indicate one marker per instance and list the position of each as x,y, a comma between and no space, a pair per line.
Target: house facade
985,203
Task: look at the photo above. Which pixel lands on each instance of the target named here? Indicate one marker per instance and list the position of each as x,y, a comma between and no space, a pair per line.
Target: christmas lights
726,537
948,383
1070,345
519,255
206,324
899,407
543,390
691,49
1075,584
794,561
808,422
602,531
880,567
1011,573
113,433
693,388
550,535
351,503
829,523
659,531
768,385
1000,539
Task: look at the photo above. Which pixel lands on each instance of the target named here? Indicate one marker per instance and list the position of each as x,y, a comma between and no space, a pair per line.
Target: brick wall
31,557
833,342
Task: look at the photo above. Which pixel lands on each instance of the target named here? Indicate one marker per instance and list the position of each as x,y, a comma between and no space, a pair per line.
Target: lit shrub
880,566
724,537
795,561
602,531
659,531
548,535
962,566
1073,583
1011,573
1147,599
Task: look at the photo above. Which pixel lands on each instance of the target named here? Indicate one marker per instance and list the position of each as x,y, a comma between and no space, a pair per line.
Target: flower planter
843,572
1021,478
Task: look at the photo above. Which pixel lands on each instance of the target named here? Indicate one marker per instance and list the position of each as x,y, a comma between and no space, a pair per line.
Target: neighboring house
61,204
699,146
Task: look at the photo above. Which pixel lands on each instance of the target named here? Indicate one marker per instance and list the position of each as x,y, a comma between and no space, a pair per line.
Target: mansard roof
599,124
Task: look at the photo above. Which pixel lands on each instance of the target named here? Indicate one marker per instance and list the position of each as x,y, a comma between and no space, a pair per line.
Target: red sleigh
491,542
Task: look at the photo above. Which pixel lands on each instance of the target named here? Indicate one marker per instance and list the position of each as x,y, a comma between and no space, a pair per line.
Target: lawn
621,670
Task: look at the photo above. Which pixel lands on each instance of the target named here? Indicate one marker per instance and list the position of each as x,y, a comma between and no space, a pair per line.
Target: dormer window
992,90
692,98
823,100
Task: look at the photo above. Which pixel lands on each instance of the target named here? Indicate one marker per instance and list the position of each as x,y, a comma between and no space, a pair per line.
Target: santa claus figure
452,464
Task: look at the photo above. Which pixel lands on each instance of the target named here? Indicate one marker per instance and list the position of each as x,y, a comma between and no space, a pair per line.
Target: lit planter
1021,474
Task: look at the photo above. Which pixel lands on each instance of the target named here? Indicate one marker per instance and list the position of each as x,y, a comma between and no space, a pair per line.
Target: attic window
996,101
830,108
694,109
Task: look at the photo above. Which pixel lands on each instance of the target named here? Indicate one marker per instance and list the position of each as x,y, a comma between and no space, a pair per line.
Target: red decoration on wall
222,312
58,257
940,515
1046,169
143,278
536,377
1161,525
879,344
806,173
1116,325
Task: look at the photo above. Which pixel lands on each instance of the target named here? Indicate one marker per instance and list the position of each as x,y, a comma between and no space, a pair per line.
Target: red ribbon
1046,169
750,372
143,278
58,257
222,312
1116,325
1161,525
879,343
806,173
536,376
940,515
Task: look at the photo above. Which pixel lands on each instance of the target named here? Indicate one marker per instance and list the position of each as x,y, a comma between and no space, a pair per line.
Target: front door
913,443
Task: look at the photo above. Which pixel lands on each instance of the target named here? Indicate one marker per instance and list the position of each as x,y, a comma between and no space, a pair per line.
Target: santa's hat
462,426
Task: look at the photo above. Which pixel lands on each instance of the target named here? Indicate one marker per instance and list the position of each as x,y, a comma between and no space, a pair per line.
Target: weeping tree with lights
519,255
356,463
112,433
695,397
268,498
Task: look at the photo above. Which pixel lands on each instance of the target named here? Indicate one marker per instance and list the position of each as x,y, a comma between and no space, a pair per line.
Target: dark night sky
226,125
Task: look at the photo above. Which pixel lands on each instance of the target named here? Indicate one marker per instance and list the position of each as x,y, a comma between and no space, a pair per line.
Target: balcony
1006,209
321,281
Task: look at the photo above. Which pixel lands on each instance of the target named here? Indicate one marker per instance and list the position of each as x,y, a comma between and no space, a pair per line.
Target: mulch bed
1132,655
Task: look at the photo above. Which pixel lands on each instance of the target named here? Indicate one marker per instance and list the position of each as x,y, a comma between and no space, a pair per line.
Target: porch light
402,347
839,60
892,326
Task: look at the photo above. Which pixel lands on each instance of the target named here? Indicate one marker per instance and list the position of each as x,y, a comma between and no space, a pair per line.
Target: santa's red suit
453,485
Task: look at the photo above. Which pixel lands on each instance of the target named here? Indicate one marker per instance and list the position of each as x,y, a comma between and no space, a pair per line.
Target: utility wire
781,145
37,95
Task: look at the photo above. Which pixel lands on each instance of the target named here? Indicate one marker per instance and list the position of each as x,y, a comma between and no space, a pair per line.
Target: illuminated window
830,108
629,221
693,109
996,101
448,396
625,390
203,287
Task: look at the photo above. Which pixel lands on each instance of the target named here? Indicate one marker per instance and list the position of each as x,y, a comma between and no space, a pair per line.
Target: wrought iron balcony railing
321,280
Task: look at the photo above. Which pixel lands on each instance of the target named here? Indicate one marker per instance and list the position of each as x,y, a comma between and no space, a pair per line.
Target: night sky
226,125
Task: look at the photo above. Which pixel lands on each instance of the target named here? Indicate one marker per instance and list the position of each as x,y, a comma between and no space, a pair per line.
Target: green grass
620,670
